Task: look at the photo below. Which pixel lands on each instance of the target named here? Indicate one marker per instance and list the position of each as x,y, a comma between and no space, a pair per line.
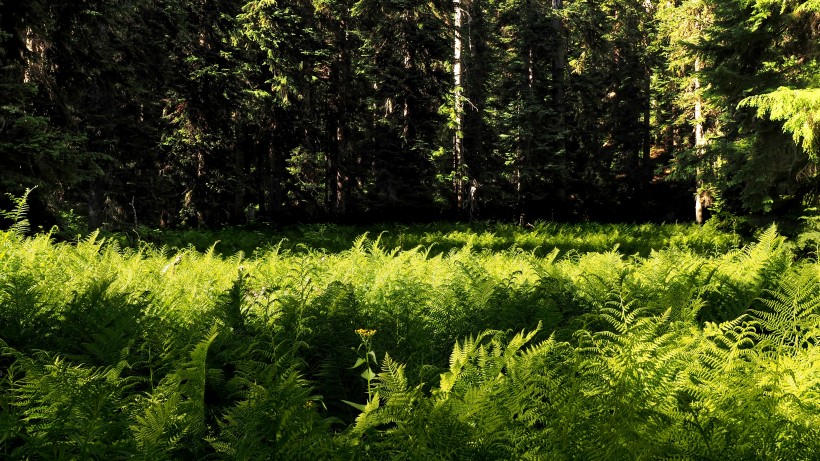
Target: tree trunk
340,203
272,176
698,208
458,81
647,119
95,207
559,58
646,167
239,189
338,128
558,71
700,142
409,69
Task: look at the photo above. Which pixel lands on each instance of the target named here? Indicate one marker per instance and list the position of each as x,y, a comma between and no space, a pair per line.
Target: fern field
688,348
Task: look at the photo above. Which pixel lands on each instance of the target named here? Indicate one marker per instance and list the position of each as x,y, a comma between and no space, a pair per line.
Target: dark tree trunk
96,207
558,96
238,214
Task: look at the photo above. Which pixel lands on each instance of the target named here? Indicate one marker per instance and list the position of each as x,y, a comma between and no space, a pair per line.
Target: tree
404,50
39,146
460,24
521,106
764,59
201,113
607,98
684,117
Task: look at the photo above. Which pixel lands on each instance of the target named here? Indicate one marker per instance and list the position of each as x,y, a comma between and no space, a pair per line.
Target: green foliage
114,353
799,111
540,239
19,215
184,113
789,320
71,410
761,69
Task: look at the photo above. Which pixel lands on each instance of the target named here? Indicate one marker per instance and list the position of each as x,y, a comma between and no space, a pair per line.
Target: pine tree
754,49
401,61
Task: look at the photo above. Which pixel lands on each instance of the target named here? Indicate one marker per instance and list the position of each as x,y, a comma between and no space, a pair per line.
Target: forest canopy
206,113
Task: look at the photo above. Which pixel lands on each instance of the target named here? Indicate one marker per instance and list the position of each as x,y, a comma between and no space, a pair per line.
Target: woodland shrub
110,352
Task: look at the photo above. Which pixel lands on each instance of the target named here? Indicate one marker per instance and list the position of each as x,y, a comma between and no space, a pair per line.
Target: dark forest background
217,112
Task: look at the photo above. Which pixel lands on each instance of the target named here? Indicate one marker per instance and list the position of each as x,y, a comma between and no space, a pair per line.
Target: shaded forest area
213,112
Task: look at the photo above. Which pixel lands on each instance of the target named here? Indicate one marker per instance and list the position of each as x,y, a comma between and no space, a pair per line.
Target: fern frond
471,348
520,340
159,429
72,408
391,381
792,318
19,215
275,419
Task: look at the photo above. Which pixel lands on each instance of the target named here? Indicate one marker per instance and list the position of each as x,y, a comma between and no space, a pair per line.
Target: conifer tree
764,57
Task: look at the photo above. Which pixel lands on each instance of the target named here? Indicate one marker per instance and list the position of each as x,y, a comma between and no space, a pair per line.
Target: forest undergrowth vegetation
651,343
539,238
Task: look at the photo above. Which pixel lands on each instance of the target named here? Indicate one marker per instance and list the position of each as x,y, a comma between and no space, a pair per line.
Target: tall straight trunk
199,190
334,159
272,175
458,101
96,205
340,202
559,57
34,57
525,128
408,54
239,190
28,70
339,126
700,142
699,139
646,157
647,117
558,71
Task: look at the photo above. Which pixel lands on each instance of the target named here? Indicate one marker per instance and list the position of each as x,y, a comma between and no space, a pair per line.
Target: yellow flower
365,333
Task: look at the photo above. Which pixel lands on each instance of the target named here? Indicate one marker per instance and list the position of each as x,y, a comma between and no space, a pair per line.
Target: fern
105,354
98,326
230,308
26,322
19,215
791,321
159,429
70,410
11,415
636,360
465,411
175,414
275,414
399,401
742,276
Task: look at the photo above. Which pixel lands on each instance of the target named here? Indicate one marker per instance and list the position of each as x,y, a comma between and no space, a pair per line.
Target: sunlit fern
19,215
790,319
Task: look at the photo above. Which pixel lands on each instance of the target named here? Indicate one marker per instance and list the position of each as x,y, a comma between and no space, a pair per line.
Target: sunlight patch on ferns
790,317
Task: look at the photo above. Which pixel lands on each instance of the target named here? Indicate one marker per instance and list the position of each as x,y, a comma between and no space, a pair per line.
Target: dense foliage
694,350
207,112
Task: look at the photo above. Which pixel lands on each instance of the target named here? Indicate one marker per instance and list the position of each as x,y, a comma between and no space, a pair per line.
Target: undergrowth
539,238
398,351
